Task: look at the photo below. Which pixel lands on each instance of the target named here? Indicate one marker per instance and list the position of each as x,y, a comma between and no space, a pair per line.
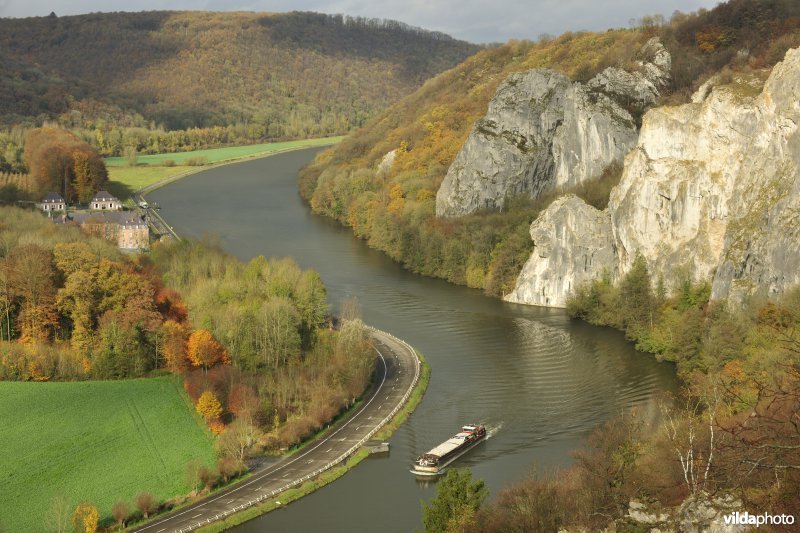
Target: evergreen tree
456,495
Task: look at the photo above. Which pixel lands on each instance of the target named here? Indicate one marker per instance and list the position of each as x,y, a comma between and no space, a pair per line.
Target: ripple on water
542,380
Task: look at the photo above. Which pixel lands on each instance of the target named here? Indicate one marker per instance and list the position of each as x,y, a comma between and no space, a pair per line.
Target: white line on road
261,476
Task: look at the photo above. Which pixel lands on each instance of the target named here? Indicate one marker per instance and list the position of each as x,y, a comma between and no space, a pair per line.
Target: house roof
52,198
123,218
104,196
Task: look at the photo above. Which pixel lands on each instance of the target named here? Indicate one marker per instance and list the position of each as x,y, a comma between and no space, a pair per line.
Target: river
539,380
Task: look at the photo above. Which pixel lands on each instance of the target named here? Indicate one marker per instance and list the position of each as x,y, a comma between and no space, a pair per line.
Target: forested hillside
392,205
285,75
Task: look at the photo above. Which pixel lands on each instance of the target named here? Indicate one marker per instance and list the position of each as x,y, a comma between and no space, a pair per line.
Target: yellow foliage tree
397,199
208,406
85,518
204,350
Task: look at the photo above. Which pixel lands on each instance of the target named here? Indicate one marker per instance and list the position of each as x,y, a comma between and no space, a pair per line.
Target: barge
434,462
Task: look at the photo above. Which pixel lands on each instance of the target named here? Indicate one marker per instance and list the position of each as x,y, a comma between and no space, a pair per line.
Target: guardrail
338,460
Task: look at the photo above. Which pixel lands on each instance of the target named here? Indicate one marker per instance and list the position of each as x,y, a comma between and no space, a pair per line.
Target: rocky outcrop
701,513
595,132
509,151
543,132
712,189
572,242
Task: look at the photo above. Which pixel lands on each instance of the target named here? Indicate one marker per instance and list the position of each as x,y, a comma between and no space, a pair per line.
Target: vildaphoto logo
758,520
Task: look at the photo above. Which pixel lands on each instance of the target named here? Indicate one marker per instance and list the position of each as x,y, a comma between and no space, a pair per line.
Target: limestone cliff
542,131
509,151
572,241
712,189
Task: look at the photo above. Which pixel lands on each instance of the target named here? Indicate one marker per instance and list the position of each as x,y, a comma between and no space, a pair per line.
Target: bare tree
146,503
691,431
58,515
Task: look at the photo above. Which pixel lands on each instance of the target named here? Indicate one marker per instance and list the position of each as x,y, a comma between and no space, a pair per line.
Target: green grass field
216,155
93,441
123,180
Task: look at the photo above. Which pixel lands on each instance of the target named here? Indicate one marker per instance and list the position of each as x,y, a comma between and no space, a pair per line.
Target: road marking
198,514
329,449
261,476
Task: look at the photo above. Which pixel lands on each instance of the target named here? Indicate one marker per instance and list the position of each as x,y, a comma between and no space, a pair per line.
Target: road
397,373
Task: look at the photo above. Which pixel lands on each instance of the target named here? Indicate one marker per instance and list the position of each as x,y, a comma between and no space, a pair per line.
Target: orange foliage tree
204,350
59,161
208,406
175,340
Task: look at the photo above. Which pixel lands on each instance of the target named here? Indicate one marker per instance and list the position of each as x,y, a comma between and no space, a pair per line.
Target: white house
52,201
104,200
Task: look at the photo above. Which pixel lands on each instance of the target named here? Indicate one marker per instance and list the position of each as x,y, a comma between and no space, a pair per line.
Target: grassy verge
287,496
149,169
334,473
99,442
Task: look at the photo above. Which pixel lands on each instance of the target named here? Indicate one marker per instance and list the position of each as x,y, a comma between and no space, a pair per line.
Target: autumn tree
175,337
146,503
32,280
85,518
7,301
120,512
59,161
204,350
208,406
242,400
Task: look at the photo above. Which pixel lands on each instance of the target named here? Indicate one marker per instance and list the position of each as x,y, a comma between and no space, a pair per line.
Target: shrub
146,503
197,161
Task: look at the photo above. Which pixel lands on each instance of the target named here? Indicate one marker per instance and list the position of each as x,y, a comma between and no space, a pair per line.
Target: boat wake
493,429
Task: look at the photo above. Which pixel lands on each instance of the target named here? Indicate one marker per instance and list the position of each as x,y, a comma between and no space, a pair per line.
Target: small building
134,233
126,229
104,200
52,201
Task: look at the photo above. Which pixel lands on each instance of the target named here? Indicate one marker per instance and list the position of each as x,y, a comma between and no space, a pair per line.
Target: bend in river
539,380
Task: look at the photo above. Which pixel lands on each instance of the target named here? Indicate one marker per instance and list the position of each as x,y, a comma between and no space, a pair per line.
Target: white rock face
542,131
572,242
509,150
712,189
595,133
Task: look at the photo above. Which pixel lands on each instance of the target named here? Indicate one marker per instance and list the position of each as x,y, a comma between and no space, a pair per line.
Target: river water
537,379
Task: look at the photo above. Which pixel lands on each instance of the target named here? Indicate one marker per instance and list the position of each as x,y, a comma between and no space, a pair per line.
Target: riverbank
333,474
541,379
337,452
153,171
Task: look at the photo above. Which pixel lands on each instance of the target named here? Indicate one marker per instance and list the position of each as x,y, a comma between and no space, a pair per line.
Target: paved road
397,372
